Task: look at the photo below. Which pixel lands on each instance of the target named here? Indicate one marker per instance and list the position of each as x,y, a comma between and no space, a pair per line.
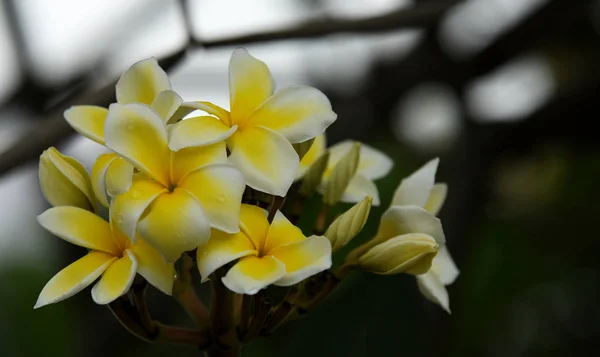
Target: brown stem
138,296
179,335
184,293
260,316
321,222
222,316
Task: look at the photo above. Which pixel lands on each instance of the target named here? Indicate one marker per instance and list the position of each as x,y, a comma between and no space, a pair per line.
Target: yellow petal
251,274
198,131
267,160
303,259
119,177
416,188
358,188
399,220
281,232
74,278
316,150
142,83
207,107
221,249
138,134
175,223
219,189
116,280
299,113
432,288
253,222
187,160
436,198
80,227
64,181
88,120
166,104
128,207
409,253
99,176
250,84
152,266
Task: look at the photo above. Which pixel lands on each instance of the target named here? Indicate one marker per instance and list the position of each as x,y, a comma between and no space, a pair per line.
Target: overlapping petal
129,207
175,222
444,267
373,163
432,288
74,278
250,84
198,131
64,181
267,160
299,113
207,107
80,227
88,120
416,188
138,134
119,177
166,104
153,267
221,249
437,198
254,223
187,160
398,220
142,83
252,274
116,280
219,189
99,177
303,259
316,150
360,187
281,232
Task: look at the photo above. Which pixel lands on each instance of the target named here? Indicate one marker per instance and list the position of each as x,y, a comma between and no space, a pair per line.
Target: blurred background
505,92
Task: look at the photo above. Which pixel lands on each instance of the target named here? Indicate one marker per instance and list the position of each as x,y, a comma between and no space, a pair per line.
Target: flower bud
341,175
314,175
64,181
349,224
409,253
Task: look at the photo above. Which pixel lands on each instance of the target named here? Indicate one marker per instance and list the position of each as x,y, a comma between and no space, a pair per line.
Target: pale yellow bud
314,175
64,181
349,224
341,175
303,147
408,253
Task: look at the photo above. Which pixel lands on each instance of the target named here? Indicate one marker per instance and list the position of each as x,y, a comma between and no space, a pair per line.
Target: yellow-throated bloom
276,253
373,165
183,193
144,82
260,126
420,191
112,256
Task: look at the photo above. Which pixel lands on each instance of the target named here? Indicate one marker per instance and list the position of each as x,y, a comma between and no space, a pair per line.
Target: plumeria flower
373,165
112,257
316,150
183,193
421,196
260,126
144,82
276,253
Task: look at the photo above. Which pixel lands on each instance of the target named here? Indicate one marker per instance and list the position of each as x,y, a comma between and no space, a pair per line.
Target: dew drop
221,198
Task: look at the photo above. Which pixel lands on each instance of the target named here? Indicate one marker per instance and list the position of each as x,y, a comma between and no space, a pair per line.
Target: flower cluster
224,189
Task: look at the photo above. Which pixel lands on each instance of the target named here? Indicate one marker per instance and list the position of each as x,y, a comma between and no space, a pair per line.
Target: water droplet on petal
221,198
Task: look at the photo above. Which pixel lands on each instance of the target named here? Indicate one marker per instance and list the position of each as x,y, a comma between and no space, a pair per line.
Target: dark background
505,92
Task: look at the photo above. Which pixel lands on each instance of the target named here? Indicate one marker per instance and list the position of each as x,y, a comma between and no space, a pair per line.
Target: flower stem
322,220
261,312
222,316
183,292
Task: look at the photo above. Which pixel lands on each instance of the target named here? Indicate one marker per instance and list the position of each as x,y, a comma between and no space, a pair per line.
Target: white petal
436,198
399,220
432,288
416,188
221,249
303,259
166,104
252,274
153,268
444,266
359,188
198,131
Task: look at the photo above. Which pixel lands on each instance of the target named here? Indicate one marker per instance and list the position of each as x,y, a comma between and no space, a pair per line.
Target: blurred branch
54,128
418,16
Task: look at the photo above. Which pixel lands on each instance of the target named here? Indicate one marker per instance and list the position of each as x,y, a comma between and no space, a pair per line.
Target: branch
418,16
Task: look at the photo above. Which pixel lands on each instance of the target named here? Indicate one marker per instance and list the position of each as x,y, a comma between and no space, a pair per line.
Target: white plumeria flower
261,125
418,199
373,165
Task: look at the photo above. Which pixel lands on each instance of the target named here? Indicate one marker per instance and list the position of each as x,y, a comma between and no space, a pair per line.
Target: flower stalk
184,293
